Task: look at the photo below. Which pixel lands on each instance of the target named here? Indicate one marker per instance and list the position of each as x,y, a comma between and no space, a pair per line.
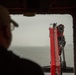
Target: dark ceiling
37,6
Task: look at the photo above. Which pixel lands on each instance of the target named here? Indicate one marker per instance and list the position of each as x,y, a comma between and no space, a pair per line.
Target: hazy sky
34,31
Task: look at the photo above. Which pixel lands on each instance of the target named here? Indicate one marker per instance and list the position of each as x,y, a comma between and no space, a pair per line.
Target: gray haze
34,31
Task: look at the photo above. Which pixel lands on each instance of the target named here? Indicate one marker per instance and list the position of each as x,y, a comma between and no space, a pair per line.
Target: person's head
5,27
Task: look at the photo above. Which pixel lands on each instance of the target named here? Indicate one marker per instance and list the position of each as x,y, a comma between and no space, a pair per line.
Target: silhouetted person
11,64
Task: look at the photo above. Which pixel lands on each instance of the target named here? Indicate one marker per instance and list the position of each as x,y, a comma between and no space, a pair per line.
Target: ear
6,33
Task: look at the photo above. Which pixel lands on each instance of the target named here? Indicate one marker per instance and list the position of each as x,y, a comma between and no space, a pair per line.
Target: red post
53,72
55,58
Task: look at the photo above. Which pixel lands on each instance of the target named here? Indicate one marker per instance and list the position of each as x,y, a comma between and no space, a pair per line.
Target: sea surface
41,55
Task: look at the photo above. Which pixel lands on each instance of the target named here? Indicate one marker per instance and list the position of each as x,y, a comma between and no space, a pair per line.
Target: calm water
41,55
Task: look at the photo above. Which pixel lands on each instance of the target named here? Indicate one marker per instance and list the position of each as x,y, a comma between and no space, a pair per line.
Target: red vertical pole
55,58
52,67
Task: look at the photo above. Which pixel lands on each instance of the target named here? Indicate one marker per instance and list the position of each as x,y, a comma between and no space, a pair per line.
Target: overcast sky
34,31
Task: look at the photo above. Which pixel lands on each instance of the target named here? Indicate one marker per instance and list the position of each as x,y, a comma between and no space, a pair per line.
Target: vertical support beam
55,58
52,50
74,39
